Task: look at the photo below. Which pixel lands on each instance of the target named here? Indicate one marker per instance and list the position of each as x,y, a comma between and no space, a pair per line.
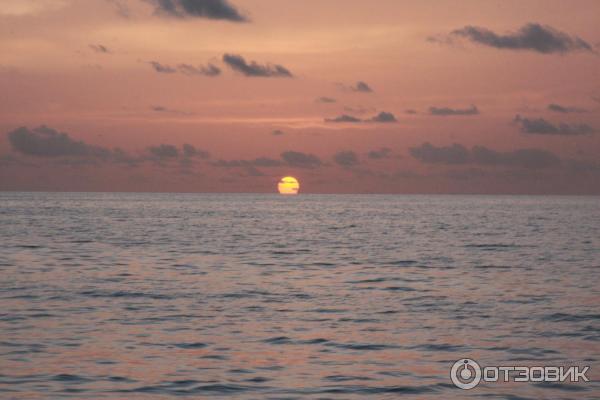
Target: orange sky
85,69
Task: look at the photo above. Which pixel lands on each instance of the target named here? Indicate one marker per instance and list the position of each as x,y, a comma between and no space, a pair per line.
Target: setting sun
288,185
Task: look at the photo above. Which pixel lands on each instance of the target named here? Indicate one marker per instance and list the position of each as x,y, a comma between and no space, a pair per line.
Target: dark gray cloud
98,48
47,142
324,99
167,152
344,118
189,150
540,126
166,110
164,151
288,158
346,158
457,154
446,111
379,154
253,69
187,69
301,160
161,68
263,162
277,132
533,36
211,9
428,153
565,109
384,117
207,70
362,87
527,158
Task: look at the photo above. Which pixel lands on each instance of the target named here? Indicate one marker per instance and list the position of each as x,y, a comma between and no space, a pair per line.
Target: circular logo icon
465,374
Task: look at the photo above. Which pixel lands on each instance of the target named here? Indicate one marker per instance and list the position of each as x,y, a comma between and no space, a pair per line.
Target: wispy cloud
532,36
254,69
209,69
457,154
325,99
565,109
379,154
346,159
382,117
541,126
446,111
301,160
99,48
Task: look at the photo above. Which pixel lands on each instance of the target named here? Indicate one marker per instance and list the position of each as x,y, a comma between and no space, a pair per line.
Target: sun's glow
288,185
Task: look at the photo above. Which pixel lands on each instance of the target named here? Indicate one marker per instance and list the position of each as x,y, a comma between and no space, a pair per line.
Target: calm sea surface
135,296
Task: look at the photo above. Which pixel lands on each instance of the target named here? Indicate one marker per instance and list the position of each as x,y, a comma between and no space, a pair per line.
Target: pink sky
465,70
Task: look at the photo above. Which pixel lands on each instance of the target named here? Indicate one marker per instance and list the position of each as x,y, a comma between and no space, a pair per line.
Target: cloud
446,111
540,126
211,9
344,118
346,158
187,69
362,87
532,36
384,117
98,48
289,158
428,153
166,110
277,132
264,162
379,154
47,142
163,69
457,154
253,69
565,109
410,111
164,151
527,158
300,160
189,150
207,70
324,99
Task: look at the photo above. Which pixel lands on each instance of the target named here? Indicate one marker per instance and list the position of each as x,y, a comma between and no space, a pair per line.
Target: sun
288,185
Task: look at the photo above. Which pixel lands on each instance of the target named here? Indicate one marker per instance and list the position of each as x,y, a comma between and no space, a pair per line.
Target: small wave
400,289
125,294
196,345
362,346
439,347
563,317
344,378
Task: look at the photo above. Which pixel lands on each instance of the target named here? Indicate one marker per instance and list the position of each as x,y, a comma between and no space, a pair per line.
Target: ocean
243,296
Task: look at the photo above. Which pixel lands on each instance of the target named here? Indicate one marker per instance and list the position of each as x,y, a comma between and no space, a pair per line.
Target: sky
387,96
